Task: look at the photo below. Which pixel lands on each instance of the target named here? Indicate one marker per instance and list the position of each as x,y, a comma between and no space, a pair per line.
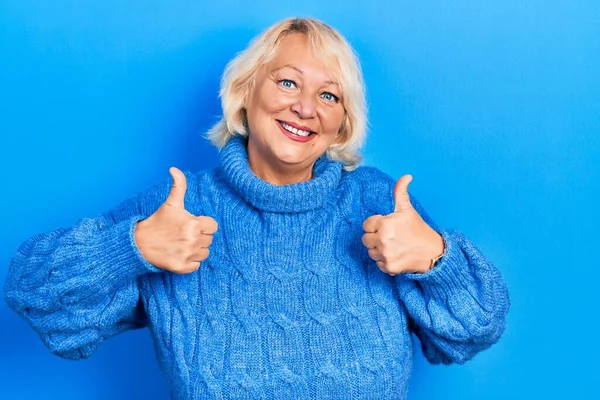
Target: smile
296,133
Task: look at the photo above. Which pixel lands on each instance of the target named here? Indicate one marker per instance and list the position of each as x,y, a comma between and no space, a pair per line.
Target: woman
318,270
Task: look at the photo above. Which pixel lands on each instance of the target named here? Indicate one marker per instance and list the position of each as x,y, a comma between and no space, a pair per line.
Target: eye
330,97
287,83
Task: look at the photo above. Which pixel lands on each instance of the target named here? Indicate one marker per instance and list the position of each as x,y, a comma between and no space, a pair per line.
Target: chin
289,156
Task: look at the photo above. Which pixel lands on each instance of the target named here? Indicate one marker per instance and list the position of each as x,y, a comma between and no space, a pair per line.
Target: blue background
494,107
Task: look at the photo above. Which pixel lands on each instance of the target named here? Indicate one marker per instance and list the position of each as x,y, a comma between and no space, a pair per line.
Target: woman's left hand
402,242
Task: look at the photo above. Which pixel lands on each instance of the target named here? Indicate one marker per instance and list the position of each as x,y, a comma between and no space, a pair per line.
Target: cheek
273,100
332,119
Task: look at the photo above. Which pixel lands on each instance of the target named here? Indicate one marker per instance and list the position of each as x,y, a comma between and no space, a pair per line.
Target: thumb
401,194
177,194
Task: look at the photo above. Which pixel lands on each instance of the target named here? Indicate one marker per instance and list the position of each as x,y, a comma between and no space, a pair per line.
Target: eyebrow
302,73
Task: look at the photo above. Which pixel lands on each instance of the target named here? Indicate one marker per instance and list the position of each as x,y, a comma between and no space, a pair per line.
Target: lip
304,128
296,138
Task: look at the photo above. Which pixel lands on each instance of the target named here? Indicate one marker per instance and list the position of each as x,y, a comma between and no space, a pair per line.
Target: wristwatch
436,259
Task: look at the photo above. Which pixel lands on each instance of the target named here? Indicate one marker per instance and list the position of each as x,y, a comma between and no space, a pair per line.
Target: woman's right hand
172,238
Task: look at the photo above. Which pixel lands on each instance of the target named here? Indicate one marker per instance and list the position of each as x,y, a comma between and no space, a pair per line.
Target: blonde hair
337,55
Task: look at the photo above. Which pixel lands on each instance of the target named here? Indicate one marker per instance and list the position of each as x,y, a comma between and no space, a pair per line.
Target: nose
304,107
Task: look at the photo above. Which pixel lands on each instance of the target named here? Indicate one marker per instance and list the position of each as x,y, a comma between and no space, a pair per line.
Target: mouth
296,132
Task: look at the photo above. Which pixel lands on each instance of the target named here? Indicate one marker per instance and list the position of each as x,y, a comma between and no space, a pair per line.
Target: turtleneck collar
297,197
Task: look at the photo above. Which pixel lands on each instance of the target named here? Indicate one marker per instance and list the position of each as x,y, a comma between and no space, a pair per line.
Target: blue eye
286,83
329,97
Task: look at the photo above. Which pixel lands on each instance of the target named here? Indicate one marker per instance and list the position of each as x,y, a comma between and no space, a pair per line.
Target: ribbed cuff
450,274
123,251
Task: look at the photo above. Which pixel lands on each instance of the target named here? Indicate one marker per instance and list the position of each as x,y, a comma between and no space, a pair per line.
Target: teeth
293,130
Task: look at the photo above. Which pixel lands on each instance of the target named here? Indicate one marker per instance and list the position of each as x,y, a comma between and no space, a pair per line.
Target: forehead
294,50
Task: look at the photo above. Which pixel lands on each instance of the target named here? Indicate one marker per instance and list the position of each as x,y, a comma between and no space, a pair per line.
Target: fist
401,242
172,238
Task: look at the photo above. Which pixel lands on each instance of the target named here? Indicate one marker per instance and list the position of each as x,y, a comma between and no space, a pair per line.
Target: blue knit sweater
287,306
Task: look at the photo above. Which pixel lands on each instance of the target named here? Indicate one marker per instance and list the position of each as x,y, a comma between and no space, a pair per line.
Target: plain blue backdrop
493,107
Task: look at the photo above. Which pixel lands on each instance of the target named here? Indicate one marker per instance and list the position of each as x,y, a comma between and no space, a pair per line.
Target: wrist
139,238
439,252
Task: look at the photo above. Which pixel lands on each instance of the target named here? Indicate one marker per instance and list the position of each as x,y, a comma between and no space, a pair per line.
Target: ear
340,138
342,134
247,91
244,118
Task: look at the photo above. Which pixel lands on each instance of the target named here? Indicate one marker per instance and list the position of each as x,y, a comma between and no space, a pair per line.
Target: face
294,112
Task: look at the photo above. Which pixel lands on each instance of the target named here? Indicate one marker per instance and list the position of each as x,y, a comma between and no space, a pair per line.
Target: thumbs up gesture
402,242
172,238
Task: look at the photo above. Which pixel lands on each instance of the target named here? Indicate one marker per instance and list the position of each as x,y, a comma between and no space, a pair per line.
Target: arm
456,309
459,307
78,286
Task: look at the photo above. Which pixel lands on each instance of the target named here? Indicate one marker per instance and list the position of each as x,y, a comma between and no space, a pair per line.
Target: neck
316,192
279,175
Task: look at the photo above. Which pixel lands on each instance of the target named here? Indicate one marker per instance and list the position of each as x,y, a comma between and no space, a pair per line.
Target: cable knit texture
287,306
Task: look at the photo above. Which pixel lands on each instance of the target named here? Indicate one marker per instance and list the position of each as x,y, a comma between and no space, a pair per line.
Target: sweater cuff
450,274
122,254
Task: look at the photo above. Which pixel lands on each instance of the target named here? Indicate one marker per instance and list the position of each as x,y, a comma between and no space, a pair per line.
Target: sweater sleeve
77,286
458,308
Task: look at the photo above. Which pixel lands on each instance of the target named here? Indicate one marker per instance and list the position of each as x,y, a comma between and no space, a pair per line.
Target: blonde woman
287,272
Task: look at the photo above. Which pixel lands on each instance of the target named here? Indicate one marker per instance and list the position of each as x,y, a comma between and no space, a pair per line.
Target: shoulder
207,191
374,187
366,175
376,191
197,182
